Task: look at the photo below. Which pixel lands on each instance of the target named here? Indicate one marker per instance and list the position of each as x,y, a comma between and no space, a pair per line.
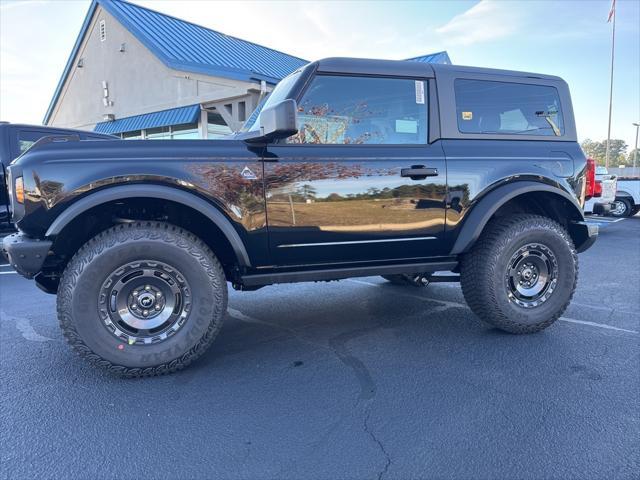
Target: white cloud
486,21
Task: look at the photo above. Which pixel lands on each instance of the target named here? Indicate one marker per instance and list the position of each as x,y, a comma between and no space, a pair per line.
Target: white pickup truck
604,193
627,201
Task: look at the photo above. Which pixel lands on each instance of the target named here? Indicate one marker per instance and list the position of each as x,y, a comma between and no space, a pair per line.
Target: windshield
602,171
277,95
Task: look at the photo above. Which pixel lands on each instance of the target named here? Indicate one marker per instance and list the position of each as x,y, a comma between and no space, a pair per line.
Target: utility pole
612,13
635,150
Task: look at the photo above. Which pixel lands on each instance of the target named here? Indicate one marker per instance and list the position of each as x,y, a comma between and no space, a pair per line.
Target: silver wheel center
532,275
144,302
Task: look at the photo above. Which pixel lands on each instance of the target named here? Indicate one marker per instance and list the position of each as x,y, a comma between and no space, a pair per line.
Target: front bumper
584,235
25,254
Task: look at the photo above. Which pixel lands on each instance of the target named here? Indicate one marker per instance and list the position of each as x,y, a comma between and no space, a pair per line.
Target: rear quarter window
506,108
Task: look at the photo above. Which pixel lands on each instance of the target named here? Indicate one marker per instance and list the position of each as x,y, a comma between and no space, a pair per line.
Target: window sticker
406,126
467,115
420,92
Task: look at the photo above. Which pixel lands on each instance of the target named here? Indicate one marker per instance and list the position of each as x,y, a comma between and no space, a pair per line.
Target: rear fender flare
153,191
489,204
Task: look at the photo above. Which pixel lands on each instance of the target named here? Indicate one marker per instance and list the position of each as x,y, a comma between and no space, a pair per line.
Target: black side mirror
279,121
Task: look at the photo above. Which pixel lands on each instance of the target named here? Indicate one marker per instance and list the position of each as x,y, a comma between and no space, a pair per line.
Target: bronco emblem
248,174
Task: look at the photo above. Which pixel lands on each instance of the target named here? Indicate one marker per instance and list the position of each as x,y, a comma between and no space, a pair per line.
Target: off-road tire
483,272
77,300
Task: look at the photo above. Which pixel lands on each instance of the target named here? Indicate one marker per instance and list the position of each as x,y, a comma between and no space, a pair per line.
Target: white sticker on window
406,126
420,92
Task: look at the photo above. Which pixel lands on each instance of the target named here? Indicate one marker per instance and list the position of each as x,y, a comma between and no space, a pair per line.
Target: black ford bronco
351,168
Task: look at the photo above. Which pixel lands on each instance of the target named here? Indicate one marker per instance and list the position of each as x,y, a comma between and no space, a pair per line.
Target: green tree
598,150
630,157
307,191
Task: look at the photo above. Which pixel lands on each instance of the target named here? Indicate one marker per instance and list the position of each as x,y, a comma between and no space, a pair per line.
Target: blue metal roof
185,46
439,57
164,118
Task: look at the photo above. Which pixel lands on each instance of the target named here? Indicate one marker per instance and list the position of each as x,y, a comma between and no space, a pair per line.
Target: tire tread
482,259
167,233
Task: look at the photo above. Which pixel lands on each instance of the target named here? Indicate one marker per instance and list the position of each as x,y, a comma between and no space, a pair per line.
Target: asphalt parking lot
350,379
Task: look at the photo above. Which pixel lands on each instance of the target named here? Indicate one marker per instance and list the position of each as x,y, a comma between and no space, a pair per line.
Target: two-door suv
350,168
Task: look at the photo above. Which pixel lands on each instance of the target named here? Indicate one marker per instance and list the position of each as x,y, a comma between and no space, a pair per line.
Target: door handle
418,172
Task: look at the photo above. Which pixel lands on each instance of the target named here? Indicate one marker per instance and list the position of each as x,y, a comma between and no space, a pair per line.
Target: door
359,182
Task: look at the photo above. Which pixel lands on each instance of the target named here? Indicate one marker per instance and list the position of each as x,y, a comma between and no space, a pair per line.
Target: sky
569,38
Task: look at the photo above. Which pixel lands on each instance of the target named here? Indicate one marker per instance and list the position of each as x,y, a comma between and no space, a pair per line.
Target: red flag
612,12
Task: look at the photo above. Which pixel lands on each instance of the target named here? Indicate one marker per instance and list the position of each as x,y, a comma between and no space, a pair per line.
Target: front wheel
142,299
521,274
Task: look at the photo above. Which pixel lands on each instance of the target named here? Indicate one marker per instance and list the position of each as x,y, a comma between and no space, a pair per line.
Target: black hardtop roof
411,68
70,131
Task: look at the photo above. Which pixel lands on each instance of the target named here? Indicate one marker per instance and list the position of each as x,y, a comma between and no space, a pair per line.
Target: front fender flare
489,204
153,191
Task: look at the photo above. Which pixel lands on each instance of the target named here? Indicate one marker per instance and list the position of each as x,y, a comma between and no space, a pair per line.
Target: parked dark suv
351,168
15,139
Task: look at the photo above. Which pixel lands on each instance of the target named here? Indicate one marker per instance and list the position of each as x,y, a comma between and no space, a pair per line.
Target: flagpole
613,44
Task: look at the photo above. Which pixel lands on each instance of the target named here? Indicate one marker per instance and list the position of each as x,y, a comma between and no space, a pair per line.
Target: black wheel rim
532,275
144,302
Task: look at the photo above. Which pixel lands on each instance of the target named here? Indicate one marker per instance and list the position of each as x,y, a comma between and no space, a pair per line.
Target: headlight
19,190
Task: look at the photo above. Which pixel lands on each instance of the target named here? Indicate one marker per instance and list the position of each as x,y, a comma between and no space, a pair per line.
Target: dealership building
138,73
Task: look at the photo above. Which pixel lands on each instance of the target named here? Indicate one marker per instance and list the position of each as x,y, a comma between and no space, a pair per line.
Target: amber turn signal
19,190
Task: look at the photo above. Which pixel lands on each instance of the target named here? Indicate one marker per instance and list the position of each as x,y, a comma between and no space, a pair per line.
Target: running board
261,279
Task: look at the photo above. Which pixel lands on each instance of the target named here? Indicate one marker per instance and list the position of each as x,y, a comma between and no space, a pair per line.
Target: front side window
362,111
506,108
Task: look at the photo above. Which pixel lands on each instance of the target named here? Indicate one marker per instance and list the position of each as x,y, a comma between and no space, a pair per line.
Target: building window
216,127
135,135
159,133
187,131
242,111
103,30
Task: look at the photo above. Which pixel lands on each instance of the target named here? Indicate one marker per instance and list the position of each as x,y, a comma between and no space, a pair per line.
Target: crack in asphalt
338,346
368,387
388,461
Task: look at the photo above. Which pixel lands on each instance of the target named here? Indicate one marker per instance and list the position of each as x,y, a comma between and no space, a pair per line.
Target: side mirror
279,121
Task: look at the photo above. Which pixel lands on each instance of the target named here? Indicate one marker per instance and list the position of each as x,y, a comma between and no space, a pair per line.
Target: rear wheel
142,299
621,208
521,274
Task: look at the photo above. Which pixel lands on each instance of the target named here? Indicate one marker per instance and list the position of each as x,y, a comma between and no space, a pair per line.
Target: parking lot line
8,273
599,325
603,219
449,304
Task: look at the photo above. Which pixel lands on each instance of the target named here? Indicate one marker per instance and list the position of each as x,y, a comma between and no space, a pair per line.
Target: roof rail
74,137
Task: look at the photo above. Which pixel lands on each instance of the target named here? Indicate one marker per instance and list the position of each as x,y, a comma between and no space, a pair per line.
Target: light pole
635,150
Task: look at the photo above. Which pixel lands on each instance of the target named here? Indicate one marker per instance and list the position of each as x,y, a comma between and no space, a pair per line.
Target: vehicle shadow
329,319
